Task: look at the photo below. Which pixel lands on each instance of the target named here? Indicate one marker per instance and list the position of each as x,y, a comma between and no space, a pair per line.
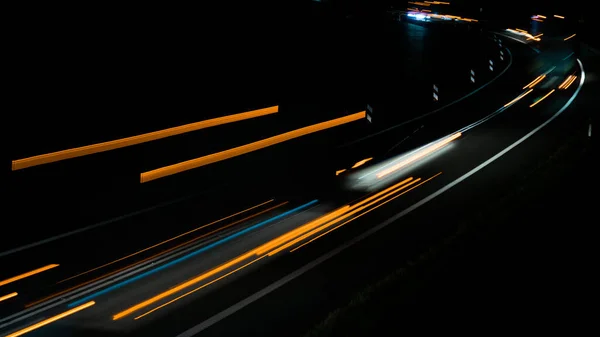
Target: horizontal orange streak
361,214
5,297
570,37
419,3
27,274
139,139
240,150
51,320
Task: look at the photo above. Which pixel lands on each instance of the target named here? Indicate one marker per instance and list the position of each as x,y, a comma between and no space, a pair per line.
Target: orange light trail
419,3
154,256
421,154
566,81
355,210
27,274
182,286
5,297
139,139
277,242
251,147
559,16
368,211
541,99
51,319
570,37
361,163
518,98
200,287
525,33
541,16
538,20
168,240
535,82
323,220
570,82
337,173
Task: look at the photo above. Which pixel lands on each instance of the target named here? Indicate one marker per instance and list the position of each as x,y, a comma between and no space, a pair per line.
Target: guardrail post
491,65
501,55
436,92
472,76
369,113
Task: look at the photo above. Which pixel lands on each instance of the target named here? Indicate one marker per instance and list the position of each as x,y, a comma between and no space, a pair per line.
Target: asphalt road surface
265,269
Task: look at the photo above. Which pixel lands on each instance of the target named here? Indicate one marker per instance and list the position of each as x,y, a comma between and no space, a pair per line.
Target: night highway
165,180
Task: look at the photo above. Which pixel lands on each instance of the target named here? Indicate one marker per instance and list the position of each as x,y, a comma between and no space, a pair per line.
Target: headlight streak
427,149
419,155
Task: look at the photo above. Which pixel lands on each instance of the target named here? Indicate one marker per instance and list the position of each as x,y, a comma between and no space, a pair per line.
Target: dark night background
129,69
94,72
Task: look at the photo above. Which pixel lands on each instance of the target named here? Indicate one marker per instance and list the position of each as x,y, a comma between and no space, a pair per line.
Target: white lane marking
590,130
275,285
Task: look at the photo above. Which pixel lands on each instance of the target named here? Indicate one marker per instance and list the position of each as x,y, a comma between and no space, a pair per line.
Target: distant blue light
185,257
